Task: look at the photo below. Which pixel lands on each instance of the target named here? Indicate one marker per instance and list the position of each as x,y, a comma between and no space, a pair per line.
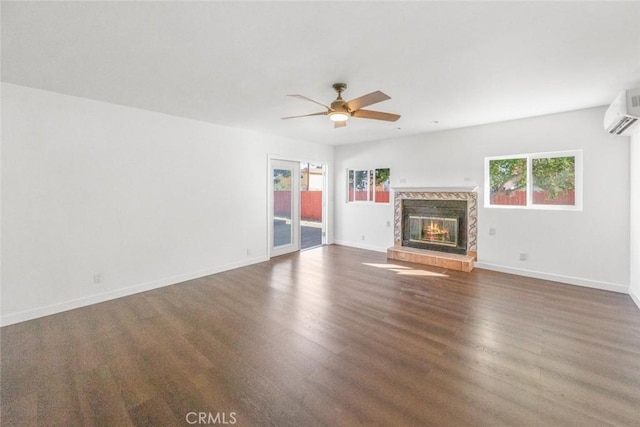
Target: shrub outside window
535,181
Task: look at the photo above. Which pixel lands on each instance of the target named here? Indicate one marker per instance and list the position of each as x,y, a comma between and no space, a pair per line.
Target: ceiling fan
340,110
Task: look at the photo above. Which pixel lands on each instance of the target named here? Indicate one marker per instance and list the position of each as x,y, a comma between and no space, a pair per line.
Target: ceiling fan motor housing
339,104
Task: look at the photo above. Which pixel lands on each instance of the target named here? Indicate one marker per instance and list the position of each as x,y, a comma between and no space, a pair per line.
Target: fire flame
434,228
433,232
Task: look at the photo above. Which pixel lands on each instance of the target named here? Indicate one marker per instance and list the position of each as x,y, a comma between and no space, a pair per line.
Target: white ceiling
232,63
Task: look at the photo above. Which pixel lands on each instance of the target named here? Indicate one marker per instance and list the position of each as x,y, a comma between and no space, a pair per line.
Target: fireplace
442,219
437,225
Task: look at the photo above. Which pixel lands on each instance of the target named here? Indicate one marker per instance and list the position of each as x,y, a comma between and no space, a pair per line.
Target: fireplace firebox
439,225
433,229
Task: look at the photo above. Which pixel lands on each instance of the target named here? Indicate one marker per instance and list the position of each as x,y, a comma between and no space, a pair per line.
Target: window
508,181
535,181
368,185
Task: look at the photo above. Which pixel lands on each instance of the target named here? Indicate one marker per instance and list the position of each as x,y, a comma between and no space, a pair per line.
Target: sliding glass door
312,202
285,207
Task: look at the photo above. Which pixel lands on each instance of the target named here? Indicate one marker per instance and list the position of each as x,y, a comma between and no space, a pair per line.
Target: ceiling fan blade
340,124
368,99
324,113
377,115
309,99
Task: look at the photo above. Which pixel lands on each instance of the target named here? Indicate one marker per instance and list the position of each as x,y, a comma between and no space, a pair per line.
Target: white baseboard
362,246
22,316
634,296
578,281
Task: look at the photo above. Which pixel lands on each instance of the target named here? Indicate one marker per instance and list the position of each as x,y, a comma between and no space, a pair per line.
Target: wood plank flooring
335,336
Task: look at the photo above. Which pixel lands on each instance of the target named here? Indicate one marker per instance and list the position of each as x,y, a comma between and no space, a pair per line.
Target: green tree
281,179
554,175
362,177
382,175
507,175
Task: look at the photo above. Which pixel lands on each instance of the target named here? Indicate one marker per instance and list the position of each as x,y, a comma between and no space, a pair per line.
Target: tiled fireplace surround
440,259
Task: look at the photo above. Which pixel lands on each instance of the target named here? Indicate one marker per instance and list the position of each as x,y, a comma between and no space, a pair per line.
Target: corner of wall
634,296
361,246
634,217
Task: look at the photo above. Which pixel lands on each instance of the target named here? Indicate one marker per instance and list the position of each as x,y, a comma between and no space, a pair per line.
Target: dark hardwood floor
333,336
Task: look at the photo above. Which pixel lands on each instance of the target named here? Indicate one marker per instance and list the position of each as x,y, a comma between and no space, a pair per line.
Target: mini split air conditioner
623,115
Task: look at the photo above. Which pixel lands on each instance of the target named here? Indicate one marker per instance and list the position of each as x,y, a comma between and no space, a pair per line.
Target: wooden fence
381,196
519,198
310,204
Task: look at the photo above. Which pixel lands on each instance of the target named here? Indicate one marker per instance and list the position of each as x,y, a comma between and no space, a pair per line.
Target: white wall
634,288
589,248
141,198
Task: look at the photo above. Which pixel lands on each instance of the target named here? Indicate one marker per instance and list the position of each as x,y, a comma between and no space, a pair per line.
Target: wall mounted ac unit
623,115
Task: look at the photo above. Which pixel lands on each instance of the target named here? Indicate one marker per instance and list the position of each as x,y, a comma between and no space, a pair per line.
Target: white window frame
576,154
369,172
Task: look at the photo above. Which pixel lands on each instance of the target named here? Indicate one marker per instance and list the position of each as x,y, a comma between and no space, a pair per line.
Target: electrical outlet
248,251
523,256
492,232
388,223
362,237
97,278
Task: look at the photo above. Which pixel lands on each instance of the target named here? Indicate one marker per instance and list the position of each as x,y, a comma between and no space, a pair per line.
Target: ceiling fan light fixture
338,116
340,110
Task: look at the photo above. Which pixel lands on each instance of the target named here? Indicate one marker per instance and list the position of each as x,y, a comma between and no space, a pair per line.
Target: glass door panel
282,207
312,179
285,207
